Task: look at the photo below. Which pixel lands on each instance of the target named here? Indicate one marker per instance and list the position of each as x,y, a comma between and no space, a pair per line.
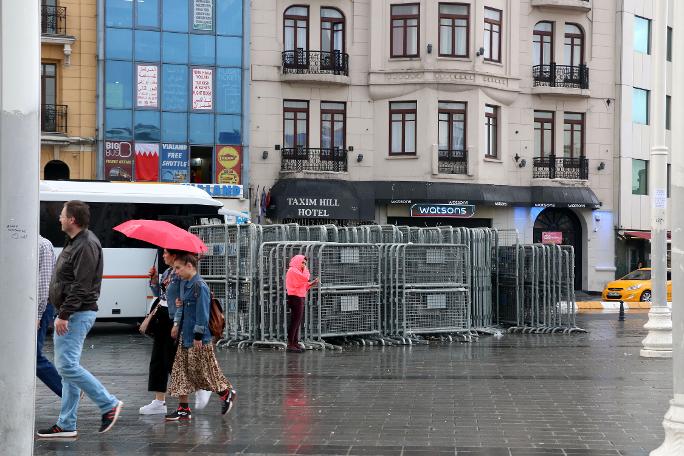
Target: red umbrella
162,234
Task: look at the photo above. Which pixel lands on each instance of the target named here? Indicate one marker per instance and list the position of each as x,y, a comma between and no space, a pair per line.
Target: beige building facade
494,113
68,89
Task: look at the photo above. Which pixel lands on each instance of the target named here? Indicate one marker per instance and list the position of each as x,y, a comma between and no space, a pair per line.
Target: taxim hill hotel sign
443,210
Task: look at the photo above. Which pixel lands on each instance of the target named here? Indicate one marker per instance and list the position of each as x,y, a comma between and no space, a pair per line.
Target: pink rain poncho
296,279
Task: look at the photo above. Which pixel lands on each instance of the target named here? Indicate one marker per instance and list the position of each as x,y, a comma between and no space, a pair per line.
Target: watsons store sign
443,210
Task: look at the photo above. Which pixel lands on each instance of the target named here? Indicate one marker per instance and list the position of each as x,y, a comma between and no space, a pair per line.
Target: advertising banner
175,165
146,162
202,89
147,85
118,160
228,164
203,15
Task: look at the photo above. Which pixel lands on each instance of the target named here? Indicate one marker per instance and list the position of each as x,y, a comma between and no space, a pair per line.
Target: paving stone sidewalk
518,395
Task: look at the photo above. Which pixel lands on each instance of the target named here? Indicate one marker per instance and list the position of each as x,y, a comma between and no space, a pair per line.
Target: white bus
125,294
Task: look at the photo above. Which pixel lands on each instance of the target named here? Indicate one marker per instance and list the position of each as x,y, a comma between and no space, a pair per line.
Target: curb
613,305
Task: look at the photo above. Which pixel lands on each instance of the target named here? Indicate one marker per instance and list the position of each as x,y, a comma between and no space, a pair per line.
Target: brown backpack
217,320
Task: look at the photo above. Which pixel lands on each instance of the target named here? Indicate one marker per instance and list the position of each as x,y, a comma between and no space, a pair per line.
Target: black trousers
163,353
296,305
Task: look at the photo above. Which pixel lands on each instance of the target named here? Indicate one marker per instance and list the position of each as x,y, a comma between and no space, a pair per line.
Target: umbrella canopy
162,234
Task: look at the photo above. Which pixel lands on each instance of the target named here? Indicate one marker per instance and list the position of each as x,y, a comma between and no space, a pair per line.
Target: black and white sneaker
228,400
56,432
109,418
180,414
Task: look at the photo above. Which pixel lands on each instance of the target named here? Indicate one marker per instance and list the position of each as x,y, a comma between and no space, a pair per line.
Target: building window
48,83
573,135
542,47
404,40
332,30
333,125
491,132
642,35
543,133
295,124
453,30
640,106
492,35
669,180
403,128
668,111
452,126
296,28
669,44
639,177
574,45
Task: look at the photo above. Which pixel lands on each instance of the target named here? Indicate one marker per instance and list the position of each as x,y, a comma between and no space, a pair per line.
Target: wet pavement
518,395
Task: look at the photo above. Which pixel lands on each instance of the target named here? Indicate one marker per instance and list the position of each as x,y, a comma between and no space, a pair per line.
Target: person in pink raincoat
297,284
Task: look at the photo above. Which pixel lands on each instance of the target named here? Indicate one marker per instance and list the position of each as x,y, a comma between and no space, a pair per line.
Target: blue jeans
74,377
45,371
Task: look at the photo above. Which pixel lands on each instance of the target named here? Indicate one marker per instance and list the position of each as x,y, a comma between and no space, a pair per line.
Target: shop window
229,51
228,17
147,13
175,15
201,164
147,46
174,88
202,49
639,177
642,35
202,128
175,47
119,43
119,13
405,30
118,84
228,90
174,127
119,124
228,129
146,127
640,106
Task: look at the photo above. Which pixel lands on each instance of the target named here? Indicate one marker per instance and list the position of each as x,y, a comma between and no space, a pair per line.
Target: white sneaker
154,408
202,399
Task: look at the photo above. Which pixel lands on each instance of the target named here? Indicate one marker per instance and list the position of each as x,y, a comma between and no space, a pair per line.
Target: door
566,222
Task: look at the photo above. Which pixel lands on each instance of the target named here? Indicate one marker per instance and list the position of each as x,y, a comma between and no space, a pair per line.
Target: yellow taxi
634,287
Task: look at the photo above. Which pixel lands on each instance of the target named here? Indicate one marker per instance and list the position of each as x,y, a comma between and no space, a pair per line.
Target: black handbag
151,322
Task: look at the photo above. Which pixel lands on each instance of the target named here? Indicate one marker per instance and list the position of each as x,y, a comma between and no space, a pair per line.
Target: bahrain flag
146,162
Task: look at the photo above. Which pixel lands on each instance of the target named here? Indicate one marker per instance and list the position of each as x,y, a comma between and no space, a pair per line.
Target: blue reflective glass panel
201,129
174,88
175,15
118,43
147,126
228,130
175,47
119,13
229,51
148,13
228,90
118,84
174,127
147,45
229,17
118,124
202,49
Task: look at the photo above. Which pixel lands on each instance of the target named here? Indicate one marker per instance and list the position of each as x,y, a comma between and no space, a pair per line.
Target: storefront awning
643,234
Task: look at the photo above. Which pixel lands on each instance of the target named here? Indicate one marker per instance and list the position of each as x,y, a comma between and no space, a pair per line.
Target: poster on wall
203,15
202,89
146,162
118,160
147,84
174,163
552,237
228,164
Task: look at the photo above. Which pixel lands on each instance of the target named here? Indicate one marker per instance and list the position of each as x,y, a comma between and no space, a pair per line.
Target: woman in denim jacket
195,366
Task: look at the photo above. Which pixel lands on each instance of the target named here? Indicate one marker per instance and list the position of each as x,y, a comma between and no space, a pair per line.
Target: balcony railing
553,167
567,76
53,20
452,161
301,61
53,118
310,159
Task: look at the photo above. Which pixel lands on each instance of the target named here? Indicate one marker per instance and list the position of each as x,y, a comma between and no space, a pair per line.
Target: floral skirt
196,369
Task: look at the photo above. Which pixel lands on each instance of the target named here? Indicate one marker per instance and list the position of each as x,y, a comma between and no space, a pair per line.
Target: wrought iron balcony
301,61
452,161
553,167
299,159
567,76
53,20
53,118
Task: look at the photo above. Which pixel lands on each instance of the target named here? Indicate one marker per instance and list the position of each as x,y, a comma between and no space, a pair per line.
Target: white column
658,342
674,418
19,172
